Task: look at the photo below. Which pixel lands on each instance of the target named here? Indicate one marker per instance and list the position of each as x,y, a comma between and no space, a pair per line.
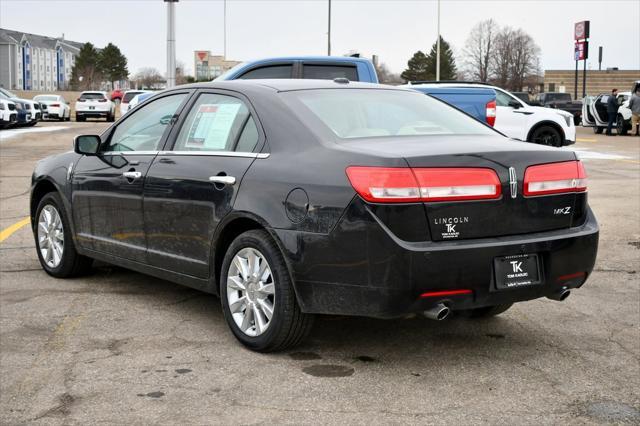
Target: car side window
217,123
330,72
273,71
502,99
144,128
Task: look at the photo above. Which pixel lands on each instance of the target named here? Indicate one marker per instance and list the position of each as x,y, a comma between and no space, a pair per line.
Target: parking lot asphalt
120,347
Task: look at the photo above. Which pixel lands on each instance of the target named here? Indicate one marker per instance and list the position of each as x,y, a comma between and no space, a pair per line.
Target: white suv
95,104
8,113
518,120
127,98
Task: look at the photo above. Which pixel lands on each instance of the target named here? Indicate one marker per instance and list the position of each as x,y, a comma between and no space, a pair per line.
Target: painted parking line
8,231
586,140
12,133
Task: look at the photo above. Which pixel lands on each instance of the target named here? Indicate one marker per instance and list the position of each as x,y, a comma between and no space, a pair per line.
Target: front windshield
7,93
359,113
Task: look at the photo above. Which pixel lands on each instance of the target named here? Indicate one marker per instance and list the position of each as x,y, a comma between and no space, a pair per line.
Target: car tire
56,239
485,312
251,296
111,118
598,130
621,127
80,118
546,135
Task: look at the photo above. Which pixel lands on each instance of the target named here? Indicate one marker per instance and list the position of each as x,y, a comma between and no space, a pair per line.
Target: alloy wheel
251,291
50,236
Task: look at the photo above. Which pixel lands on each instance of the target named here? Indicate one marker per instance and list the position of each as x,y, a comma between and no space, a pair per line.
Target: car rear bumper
92,113
362,269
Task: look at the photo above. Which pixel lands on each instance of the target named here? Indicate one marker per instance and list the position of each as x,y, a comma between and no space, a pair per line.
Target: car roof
346,59
285,85
95,91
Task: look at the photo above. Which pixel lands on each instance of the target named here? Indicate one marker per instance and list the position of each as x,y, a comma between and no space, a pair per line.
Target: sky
391,29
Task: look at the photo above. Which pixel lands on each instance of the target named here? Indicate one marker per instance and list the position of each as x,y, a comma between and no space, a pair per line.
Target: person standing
612,110
634,106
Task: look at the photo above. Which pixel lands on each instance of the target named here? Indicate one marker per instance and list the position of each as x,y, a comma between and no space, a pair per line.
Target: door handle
225,180
132,175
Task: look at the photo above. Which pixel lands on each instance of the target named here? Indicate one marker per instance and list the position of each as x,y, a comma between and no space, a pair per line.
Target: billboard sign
581,50
581,30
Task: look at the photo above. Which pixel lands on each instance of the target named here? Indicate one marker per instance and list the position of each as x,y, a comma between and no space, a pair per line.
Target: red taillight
80,100
458,184
384,184
555,178
55,105
389,185
491,113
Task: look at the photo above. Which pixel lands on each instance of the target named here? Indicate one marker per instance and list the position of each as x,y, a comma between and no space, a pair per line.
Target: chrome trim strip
125,153
215,154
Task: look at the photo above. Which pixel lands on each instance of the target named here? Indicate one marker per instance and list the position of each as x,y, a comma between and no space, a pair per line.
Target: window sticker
211,126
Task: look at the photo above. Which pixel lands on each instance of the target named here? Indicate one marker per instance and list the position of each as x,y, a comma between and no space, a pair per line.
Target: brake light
491,112
55,105
445,184
445,293
384,185
555,178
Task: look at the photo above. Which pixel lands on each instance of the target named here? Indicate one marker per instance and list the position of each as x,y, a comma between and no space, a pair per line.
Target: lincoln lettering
450,220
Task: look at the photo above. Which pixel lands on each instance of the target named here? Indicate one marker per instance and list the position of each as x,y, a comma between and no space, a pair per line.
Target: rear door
107,188
193,183
599,110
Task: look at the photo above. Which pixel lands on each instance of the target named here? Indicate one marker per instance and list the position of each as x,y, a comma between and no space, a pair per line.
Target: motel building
35,62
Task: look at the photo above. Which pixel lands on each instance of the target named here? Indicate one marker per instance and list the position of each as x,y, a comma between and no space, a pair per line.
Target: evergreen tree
448,69
85,74
416,67
113,64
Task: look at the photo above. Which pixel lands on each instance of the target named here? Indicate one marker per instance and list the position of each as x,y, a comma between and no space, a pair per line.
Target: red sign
202,55
581,50
581,30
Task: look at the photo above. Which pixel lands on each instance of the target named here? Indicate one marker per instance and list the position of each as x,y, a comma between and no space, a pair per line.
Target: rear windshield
129,95
360,113
45,98
87,96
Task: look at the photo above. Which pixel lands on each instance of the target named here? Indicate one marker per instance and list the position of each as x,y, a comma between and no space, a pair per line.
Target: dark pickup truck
561,101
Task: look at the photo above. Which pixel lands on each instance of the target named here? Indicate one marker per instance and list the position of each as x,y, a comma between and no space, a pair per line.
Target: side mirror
86,144
514,104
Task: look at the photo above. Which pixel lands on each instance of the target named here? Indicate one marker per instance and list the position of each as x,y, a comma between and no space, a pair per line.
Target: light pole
225,31
329,31
171,43
438,47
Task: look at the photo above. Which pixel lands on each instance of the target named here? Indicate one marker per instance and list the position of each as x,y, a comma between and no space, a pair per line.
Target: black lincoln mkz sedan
289,198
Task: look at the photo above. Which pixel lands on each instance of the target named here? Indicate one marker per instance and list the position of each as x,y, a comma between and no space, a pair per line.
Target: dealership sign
581,51
581,30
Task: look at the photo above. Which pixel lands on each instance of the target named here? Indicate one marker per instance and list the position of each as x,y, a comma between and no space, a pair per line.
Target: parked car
94,104
479,102
561,101
138,99
8,114
24,116
128,95
595,113
117,94
290,198
312,67
54,107
523,122
27,105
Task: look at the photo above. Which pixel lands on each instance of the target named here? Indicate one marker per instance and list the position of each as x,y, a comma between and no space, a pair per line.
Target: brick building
597,81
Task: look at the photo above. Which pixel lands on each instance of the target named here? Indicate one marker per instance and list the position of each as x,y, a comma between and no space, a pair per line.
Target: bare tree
479,49
500,63
524,59
149,78
385,76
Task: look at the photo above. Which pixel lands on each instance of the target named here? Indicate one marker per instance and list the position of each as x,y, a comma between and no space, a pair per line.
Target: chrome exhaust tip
560,295
438,312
